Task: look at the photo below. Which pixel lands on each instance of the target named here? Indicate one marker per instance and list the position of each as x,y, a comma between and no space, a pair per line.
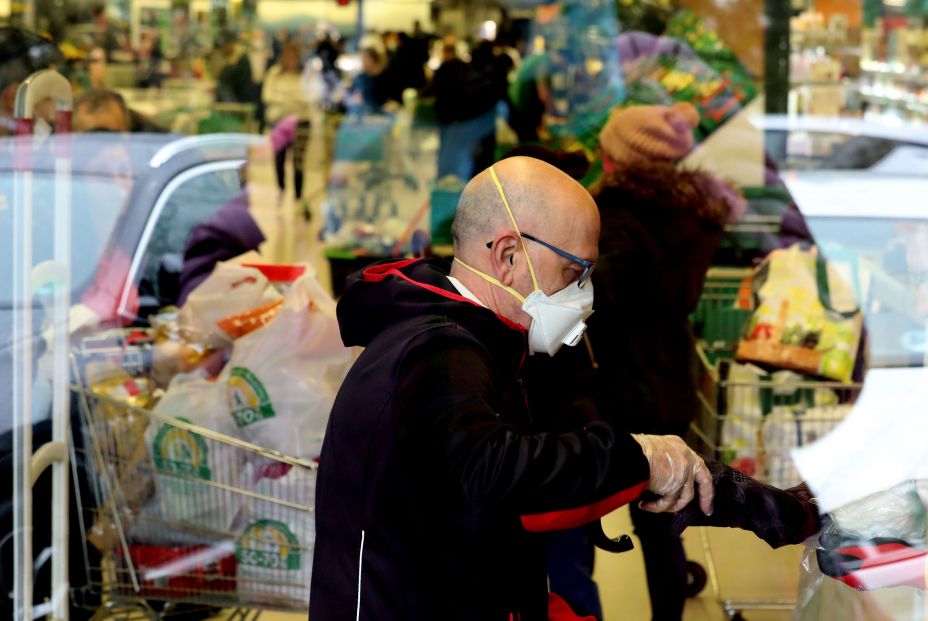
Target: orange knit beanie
647,133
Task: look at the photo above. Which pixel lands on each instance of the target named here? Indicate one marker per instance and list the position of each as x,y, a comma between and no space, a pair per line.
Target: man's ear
504,252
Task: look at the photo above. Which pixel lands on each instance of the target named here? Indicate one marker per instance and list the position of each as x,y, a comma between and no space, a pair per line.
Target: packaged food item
240,324
797,324
118,431
191,468
178,350
275,550
281,379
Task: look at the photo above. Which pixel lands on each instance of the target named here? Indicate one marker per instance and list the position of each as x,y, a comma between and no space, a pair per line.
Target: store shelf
895,74
900,102
844,82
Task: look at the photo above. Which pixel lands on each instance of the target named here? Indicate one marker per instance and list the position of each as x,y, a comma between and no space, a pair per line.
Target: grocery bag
282,378
231,288
797,324
193,473
275,548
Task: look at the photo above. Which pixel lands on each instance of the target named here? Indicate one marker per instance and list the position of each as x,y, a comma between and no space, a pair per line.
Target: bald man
434,484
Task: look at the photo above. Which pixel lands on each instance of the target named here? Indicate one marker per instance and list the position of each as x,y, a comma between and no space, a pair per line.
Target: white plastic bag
885,584
188,465
230,289
275,548
786,429
282,379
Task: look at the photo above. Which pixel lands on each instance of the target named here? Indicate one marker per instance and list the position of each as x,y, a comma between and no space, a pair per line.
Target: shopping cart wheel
695,579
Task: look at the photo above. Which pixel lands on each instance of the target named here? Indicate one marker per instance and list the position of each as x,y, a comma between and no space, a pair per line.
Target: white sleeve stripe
360,564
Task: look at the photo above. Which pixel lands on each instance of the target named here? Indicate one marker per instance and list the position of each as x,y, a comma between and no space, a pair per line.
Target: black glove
779,517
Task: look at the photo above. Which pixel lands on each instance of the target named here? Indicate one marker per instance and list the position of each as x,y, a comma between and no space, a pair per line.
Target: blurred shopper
233,71
434,482
285,91
22,53
96,68
100,110
406,68
370,90
105,110
291,133
530,96
150,57
108,37
466,97
287,99
328,52
660,227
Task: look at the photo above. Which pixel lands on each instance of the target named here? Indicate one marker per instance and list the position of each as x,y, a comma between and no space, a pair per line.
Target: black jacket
433,482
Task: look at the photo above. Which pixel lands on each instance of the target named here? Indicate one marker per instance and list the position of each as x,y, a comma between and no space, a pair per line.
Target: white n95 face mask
557,319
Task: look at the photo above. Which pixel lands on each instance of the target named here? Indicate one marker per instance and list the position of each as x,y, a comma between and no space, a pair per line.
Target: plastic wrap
867,559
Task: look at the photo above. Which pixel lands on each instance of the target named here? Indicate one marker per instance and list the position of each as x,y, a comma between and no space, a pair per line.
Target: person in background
106,110
406,68
370,90
22,53
230,232
661,226
233,71
530,96
150,57
328,52
259,57
287,101
108,37
96,68
466,97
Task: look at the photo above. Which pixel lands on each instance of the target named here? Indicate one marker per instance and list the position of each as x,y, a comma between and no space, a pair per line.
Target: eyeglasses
587,265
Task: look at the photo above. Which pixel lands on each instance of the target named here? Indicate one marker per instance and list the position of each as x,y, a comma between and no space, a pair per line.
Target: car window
192,203
96,204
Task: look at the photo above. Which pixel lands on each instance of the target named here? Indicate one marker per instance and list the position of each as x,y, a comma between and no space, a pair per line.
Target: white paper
881,443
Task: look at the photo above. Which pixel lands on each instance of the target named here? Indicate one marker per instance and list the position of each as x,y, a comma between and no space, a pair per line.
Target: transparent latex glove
676,474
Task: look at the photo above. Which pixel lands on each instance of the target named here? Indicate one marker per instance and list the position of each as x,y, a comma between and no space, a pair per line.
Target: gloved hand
676,472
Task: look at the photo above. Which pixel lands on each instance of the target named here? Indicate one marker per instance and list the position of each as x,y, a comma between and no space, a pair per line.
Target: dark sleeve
451,409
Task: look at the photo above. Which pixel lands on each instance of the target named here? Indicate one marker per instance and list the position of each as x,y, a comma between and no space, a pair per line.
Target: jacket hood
387,293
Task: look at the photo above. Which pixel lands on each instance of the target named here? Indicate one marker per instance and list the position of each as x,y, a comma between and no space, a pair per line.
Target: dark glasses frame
587,265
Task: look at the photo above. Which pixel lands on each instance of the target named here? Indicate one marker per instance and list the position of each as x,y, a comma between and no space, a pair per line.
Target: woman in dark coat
661,224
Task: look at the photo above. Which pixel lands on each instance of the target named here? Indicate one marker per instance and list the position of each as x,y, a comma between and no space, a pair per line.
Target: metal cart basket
182,515
751,419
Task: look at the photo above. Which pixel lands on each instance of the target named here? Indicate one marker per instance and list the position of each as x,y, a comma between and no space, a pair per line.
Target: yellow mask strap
531,269
488,278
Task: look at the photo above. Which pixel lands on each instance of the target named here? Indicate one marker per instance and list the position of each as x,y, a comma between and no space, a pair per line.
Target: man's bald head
542,198
547,205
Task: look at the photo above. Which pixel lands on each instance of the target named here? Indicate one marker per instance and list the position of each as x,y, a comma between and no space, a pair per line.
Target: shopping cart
367,186
751,419
183,517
